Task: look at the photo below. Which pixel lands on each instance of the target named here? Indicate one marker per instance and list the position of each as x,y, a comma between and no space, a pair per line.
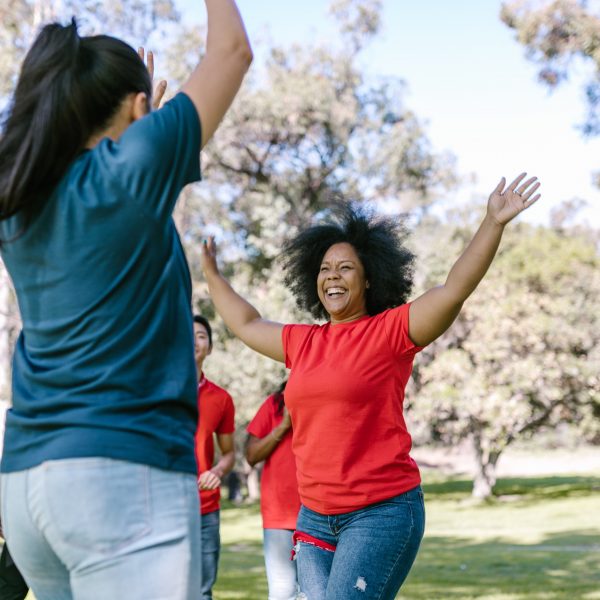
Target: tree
556,33
309,125
523,355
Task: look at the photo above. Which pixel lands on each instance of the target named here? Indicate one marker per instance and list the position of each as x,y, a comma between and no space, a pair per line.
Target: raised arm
432,313
240,316
217,78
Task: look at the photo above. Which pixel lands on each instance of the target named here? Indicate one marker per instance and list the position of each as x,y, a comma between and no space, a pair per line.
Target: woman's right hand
286,422
208,257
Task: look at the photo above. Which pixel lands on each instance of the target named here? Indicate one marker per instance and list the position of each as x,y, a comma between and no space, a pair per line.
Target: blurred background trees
310,124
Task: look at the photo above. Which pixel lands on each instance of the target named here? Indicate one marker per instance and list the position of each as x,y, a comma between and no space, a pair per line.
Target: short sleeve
396,329
157,156
227,422
262,423
292,337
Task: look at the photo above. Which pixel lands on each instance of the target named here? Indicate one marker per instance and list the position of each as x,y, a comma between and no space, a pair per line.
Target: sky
468,80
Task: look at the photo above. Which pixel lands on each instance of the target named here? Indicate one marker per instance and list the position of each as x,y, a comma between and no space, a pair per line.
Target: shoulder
215,391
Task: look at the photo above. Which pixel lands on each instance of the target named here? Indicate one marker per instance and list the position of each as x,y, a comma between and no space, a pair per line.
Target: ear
209,350
139,106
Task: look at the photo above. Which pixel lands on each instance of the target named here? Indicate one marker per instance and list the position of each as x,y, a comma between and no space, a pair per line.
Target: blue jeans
375,548
281,569
96,528
211,546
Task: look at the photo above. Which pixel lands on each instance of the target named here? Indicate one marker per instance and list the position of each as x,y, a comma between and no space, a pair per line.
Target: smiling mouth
335,292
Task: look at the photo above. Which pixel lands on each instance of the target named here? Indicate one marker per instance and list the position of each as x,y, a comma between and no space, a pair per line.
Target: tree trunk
486,459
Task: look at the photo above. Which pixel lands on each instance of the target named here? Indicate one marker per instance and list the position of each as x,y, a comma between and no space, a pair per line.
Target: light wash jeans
375,548
281,569
102,529
211,547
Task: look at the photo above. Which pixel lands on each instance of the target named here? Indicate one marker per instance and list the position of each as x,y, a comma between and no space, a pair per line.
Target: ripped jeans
365,554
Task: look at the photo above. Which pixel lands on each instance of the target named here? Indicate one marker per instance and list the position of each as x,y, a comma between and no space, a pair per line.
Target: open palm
506,202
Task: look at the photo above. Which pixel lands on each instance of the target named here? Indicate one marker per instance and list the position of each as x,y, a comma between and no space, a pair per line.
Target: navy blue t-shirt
104,365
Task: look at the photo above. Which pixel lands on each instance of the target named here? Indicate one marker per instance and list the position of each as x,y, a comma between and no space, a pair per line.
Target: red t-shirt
279,500
216,415
345,396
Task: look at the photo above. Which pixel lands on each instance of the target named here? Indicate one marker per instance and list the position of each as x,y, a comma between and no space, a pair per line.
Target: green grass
539,539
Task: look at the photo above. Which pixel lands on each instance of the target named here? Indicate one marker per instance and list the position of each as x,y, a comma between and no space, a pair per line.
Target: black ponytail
68,90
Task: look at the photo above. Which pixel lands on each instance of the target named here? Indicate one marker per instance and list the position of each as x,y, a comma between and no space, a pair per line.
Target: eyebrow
345,260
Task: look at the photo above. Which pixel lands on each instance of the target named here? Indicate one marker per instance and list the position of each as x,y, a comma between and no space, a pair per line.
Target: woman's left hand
161,86
505,204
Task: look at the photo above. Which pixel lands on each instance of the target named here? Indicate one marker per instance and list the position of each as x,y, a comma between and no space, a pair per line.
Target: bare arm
217,78
240,316
432,313
211,479
259,449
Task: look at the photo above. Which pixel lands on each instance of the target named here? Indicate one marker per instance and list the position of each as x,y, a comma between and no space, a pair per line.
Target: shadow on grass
560,567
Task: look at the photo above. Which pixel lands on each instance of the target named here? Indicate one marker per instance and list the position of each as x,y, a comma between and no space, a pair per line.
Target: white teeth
335,291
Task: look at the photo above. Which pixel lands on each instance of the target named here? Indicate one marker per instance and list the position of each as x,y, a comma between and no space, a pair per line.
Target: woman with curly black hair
362,515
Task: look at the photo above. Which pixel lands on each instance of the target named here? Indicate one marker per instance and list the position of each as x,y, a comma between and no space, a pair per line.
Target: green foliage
523,354
555,32
307,126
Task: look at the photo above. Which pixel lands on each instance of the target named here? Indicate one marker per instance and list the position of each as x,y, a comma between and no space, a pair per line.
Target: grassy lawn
539,540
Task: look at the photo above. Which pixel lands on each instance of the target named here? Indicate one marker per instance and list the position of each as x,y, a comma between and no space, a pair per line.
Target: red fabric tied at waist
300,536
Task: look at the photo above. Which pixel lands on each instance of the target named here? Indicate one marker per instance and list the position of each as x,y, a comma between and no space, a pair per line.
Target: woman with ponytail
98,483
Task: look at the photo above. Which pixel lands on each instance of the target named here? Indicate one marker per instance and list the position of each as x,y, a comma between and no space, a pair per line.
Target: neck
353,317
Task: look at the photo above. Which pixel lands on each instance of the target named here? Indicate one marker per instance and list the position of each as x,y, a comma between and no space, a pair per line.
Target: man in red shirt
217,413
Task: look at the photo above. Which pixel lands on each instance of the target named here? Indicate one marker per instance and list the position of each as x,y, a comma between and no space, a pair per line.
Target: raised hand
161,86
506,203
208,256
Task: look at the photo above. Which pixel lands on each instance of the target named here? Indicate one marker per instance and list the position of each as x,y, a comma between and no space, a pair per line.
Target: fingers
528,203
159,93
209,481
150,64
500,186
150,61
525,193
513,186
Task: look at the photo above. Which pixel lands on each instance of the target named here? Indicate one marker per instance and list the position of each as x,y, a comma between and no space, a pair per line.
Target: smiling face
202,345
341,284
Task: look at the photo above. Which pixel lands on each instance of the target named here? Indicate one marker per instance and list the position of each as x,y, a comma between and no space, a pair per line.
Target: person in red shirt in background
216,418
270,439
362,516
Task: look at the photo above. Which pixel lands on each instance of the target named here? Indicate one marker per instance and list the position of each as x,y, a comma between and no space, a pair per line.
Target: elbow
251,458
238,51
244,53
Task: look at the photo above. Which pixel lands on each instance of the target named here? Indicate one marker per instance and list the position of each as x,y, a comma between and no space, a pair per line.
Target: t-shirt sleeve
157,156
262,423
227,422
396,329
292,337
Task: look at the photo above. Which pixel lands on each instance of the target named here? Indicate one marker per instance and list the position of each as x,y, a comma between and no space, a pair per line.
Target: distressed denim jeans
281,569
102,529
364,554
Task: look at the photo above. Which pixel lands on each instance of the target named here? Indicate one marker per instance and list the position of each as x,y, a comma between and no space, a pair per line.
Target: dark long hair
379,243
278,398
68,90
